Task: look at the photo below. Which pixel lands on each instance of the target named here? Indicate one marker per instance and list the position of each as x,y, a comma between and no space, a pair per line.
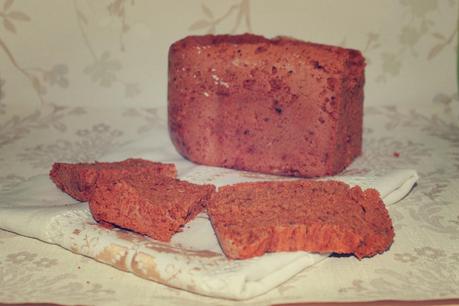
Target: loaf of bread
79,179
154,206
251,219
279,106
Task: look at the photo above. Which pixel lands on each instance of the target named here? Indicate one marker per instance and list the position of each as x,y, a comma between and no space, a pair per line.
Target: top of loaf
193,48
252,39
224,39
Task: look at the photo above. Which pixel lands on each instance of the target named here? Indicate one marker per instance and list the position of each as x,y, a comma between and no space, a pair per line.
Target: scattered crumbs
396,154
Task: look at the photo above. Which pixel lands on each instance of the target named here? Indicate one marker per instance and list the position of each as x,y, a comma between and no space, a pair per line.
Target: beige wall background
111,53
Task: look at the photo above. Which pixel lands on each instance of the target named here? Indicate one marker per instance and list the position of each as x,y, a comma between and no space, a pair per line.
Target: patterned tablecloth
79,79
423,262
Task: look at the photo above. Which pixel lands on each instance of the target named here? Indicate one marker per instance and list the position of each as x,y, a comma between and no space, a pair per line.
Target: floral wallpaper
114,52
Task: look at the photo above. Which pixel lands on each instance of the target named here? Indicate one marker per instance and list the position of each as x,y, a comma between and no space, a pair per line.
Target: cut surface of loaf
153,206
280,106
79,179
251,219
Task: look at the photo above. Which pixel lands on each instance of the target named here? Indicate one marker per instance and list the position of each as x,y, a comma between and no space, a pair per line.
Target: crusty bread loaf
155,206
316,216
79,179
278,106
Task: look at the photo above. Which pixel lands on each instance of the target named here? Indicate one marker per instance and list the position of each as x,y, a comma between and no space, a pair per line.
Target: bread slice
251,219
154,206
79,179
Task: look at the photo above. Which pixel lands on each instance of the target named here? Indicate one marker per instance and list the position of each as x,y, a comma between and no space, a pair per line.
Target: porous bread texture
279,106
79,179
251,219
154,206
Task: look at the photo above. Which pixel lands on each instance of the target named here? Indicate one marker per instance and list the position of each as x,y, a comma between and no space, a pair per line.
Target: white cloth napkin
193,260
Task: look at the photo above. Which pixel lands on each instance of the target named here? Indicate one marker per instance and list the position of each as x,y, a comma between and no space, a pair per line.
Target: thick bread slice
154,206
251,219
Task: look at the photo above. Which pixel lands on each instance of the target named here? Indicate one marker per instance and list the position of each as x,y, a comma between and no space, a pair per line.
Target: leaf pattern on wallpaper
117,8
419,26
442,42
37,76
10,16
57,75
239,11
9,25
18,127
104,69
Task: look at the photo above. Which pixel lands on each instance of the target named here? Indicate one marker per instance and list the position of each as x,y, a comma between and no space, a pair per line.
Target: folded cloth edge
402,183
